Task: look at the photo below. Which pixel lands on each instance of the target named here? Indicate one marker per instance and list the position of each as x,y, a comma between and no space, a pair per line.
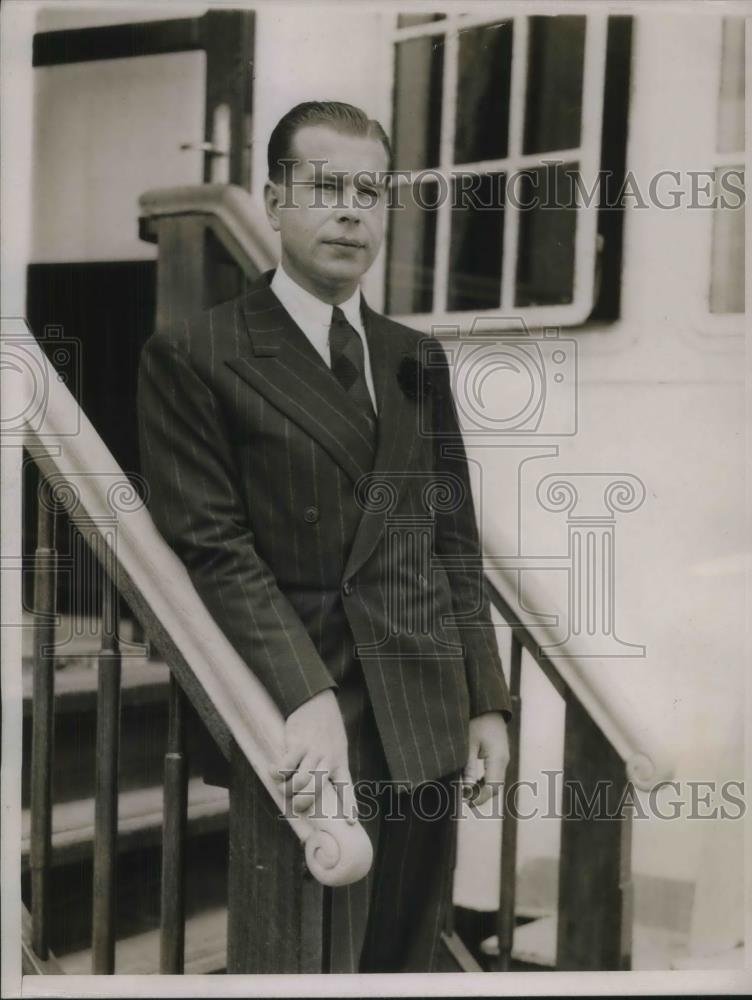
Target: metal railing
595,900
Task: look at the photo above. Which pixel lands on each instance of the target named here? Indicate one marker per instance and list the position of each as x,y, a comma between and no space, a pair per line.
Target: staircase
144,722
130,862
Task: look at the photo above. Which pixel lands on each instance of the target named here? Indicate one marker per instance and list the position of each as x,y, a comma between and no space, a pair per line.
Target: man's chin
342,273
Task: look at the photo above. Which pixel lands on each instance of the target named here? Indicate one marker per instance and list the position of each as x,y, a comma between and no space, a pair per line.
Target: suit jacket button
347,588
311,515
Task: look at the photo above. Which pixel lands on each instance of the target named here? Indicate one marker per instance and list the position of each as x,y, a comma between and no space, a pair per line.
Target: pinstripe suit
301,540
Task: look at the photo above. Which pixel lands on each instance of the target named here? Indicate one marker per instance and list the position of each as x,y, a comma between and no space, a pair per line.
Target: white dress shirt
314,318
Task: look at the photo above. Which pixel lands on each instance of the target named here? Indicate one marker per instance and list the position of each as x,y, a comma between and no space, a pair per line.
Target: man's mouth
344,242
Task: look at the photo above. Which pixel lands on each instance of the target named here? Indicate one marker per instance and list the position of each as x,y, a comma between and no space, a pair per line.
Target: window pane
546,197
412,246
483,79
731,97
727,267
556,52
475,249
410,20
419,64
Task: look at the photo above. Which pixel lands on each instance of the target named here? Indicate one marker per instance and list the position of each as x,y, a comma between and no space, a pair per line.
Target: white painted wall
16,115
97,152
57,15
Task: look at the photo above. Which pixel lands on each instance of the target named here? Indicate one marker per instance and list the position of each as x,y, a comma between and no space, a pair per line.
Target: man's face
331,218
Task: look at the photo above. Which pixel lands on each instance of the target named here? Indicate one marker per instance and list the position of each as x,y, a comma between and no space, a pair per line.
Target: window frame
587,154
730,324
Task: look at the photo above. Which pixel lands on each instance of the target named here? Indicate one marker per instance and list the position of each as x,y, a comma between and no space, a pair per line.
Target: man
299,450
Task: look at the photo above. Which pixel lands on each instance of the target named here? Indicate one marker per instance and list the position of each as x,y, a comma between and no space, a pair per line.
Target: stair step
731,958
535,944
31,963
205,949
143,682
139,821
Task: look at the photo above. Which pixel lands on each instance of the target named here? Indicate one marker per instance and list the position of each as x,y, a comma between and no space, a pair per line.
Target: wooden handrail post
43,723
194,269
106,771
508,871
180,269
594,925
172,940
275,908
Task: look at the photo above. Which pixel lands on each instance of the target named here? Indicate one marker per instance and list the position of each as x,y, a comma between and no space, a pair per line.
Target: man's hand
316,751
488,743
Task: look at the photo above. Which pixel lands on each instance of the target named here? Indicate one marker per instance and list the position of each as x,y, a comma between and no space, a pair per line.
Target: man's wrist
504,714
293,704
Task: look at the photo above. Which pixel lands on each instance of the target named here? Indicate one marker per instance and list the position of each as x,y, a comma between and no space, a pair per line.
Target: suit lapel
398,435
279,362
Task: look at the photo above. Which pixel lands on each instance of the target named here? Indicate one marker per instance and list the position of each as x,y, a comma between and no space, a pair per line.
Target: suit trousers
391,921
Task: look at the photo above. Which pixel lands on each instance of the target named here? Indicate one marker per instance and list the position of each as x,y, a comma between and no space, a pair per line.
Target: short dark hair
341,117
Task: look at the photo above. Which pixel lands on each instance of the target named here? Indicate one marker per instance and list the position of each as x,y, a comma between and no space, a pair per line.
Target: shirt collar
316,311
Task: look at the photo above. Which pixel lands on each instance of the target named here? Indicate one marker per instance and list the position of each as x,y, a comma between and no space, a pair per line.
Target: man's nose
348,214
349,208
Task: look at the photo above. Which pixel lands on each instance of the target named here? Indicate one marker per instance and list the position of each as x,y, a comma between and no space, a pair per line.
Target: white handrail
612,707
46,416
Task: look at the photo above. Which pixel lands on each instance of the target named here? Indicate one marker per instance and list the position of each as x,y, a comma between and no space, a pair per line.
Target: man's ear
271,203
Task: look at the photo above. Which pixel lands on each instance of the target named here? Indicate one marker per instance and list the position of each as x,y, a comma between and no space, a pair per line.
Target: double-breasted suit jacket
326,559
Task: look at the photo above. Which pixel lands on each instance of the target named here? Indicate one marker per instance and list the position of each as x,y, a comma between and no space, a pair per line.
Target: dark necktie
348,363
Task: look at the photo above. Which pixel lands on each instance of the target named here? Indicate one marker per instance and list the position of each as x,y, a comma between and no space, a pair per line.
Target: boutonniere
414,379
